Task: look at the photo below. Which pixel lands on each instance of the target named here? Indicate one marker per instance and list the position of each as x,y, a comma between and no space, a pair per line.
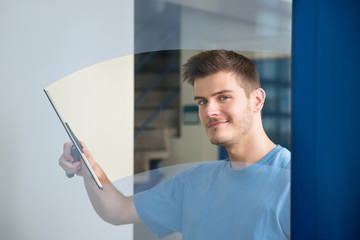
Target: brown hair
210,62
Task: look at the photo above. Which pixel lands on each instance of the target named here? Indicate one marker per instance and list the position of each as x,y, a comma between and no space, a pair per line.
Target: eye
202,102
224,97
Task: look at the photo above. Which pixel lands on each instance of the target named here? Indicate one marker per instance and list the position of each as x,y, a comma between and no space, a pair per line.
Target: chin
219,142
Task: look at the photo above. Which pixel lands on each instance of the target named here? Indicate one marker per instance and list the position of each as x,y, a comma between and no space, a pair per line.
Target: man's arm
110,204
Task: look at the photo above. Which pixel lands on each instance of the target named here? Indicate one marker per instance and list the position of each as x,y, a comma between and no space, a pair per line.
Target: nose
212,109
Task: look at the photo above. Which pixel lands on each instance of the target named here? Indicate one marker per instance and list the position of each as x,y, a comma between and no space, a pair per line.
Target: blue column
326,120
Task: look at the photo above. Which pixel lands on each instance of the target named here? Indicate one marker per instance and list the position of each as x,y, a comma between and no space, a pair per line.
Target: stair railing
172,95
158,110
156,81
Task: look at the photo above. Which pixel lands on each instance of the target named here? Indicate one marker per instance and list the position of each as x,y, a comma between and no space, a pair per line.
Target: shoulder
283,158
279,157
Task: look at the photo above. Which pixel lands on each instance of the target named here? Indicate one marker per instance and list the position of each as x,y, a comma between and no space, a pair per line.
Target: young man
244,197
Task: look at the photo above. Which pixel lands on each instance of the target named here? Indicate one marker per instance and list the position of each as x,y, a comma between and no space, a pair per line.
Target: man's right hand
68,163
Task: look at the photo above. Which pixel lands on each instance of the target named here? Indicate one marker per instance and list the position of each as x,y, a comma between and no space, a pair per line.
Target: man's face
224,109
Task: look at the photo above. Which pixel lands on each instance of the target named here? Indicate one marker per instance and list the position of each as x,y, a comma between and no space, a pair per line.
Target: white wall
41,42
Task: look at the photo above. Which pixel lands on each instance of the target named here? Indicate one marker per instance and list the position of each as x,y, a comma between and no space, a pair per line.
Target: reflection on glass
188,142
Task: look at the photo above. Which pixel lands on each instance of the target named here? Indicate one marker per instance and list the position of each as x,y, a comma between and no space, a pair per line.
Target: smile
216,124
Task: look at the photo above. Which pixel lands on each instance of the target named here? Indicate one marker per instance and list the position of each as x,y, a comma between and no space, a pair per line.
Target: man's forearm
110,204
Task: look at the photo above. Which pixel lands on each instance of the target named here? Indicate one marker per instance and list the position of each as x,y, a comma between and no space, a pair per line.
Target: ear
259,96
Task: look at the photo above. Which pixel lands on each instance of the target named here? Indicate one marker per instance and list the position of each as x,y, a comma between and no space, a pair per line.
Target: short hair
210,62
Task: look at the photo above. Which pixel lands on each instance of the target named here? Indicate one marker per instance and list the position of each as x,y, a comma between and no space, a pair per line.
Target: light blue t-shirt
215,201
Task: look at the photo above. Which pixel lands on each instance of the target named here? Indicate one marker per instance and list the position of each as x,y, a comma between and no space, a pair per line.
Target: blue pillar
326,120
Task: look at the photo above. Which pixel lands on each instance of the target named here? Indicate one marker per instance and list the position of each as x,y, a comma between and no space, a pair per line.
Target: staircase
157,106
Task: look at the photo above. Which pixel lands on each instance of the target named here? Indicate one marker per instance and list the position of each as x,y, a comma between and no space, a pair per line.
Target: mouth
216,124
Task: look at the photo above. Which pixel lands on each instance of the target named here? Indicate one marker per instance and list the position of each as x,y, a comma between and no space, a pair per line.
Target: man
246,196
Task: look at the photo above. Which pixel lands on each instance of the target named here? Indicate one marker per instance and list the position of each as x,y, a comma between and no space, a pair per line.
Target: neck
252,148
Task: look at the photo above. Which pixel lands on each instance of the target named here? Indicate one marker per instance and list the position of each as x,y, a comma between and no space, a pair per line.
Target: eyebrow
214,94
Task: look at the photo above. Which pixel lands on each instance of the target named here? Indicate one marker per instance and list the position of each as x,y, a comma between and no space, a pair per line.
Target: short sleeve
161,208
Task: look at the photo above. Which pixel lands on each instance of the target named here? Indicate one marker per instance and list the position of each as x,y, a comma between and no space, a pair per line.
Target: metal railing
157,111
151,86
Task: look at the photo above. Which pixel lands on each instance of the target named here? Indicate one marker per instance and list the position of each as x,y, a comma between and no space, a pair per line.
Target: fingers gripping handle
75,154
